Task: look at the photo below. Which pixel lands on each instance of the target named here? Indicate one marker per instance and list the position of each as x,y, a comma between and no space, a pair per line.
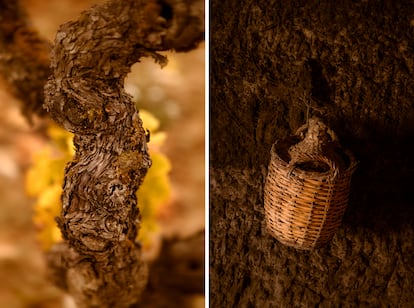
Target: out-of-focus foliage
156,188
44,182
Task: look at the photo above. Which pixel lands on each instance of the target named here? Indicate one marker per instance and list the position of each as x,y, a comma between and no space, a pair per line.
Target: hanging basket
307,186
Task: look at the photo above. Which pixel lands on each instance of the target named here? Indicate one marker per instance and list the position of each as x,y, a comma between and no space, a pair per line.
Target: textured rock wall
352,64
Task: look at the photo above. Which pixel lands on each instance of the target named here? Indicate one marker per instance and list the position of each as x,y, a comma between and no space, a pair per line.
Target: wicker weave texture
304,208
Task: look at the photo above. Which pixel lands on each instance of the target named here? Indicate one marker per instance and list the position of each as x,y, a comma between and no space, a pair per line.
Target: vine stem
99,262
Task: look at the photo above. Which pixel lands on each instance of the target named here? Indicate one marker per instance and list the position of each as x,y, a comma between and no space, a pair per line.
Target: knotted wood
99,262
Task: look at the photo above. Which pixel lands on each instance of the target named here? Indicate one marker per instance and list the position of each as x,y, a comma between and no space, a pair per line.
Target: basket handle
313,163
316,136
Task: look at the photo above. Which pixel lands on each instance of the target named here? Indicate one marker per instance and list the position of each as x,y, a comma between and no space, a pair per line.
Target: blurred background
174,95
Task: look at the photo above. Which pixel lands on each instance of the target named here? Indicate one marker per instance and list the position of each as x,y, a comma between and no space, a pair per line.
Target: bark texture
351,64
99,263
24,58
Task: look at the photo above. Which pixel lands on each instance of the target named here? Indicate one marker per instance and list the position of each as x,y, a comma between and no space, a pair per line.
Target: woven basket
307,186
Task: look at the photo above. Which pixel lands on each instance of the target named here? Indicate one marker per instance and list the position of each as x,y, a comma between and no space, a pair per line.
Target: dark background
353,63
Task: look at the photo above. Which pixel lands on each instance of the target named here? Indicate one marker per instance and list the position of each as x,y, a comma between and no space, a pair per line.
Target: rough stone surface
351,64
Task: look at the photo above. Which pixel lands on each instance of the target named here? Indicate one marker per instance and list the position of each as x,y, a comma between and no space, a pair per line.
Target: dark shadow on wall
382,187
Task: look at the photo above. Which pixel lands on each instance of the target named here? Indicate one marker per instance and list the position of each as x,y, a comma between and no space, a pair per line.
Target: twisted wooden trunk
100,262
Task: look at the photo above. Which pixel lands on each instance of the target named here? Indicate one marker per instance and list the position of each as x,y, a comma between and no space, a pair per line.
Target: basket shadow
381,193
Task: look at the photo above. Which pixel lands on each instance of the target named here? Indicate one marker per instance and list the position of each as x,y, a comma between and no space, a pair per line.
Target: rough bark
353,64
99,263
24,58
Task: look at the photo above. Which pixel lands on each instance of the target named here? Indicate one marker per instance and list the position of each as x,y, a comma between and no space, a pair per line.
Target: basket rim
331,173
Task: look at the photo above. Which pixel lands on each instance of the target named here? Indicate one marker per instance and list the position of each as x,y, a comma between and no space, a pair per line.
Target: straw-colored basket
307,186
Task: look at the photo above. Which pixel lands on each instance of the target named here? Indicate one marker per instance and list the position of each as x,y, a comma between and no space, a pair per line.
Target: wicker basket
307,187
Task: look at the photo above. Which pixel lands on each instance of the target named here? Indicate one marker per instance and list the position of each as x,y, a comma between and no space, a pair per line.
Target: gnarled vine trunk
99,262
